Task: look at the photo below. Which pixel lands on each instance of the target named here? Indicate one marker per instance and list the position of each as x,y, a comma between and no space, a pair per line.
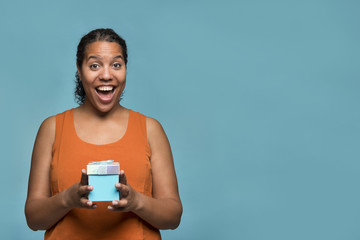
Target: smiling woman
103,75
105,35
100,129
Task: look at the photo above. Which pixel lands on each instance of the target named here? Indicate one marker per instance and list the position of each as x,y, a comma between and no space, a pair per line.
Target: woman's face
103,75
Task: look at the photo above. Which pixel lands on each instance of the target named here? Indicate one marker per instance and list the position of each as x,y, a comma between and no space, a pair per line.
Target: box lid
105,167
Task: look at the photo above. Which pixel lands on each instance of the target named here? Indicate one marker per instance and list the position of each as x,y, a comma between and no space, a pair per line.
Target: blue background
260,101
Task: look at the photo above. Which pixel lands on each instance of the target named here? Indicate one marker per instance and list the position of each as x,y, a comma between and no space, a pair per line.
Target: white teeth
105,88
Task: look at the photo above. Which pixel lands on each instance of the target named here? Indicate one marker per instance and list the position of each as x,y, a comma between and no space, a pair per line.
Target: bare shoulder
49,123
154,129
47,128
45,137
153,125
158,141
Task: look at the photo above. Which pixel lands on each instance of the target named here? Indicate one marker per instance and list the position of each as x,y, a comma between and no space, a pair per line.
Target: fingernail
110,208
117,184
90,187
89,203
114,202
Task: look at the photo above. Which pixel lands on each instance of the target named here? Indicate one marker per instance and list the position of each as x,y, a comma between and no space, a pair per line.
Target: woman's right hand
77,195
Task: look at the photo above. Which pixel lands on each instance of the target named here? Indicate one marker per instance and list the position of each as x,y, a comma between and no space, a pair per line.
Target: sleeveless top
70,154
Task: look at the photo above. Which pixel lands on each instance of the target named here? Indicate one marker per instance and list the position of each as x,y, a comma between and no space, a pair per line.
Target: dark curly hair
101,34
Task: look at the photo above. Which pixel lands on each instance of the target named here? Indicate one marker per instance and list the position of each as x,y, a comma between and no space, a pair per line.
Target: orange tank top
71,154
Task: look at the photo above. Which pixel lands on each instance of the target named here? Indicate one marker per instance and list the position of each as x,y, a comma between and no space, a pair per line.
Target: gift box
102,176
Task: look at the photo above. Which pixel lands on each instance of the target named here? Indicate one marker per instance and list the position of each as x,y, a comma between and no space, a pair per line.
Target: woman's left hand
127,195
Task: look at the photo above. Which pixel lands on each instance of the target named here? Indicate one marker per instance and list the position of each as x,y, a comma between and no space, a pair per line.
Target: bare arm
164,209
41,209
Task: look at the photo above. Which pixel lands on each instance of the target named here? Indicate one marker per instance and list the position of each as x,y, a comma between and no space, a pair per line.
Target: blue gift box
102,176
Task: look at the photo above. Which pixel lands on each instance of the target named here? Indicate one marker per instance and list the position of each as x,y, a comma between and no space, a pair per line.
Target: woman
100,129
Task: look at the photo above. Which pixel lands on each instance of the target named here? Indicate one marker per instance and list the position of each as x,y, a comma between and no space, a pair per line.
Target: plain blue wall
260,100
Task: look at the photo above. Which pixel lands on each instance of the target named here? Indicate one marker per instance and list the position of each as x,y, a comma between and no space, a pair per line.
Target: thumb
84,177
122,178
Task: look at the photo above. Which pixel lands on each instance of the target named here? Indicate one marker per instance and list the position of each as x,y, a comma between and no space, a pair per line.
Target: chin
102,107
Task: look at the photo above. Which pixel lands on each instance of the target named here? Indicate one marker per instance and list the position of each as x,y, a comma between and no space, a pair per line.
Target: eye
117,65
94,66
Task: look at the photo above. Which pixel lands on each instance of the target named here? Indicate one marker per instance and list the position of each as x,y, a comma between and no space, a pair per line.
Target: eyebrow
97,57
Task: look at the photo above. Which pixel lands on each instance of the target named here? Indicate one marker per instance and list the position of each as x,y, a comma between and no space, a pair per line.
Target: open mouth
105,93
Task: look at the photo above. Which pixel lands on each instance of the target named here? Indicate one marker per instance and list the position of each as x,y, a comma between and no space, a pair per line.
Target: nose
105,74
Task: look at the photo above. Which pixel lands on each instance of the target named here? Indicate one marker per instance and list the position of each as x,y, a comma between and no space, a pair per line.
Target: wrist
139,203
65,199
